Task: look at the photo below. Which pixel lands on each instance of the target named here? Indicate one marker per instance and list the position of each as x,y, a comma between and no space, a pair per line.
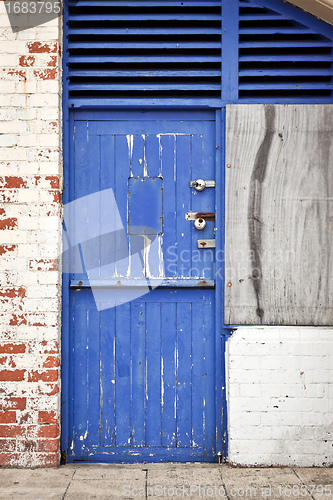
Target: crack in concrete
224,486
303,484
70,482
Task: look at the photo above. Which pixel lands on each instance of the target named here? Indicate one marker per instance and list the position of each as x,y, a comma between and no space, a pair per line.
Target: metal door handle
200,184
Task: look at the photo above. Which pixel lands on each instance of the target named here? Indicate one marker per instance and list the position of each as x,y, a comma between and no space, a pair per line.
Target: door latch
200,218
200,215
200,184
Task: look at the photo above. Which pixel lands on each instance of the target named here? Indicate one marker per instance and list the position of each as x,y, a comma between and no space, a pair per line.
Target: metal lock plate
206,243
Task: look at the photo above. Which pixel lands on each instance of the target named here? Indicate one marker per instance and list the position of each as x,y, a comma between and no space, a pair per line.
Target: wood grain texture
279,215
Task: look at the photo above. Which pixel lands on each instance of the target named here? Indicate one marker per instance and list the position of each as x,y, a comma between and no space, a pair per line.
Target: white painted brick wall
30,238
280,396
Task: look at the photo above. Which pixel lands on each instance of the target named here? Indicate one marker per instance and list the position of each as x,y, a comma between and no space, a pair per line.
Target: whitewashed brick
47,32
12,127
49,168
49,251
13,263
8,140
28,195
48,87
28,223
28,34
48,113
42,100
13,237
8,60
27,87
288,390
8,34
49,140
8,47
7,87
13,100
28,140
4,21
48,278
42,291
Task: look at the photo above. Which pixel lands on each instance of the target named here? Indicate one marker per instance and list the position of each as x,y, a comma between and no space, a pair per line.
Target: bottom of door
144,378
153,454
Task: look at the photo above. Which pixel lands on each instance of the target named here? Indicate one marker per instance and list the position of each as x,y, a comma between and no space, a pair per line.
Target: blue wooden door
144,361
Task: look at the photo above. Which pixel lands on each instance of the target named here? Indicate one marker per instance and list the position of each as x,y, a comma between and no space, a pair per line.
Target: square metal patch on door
145,212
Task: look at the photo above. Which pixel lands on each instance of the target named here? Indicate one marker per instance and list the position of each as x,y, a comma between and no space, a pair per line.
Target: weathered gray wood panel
279,215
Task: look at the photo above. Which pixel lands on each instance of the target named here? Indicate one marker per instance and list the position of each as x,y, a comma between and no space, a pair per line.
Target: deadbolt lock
200,224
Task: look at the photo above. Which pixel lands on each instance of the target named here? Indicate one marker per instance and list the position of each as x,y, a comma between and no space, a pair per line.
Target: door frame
221,333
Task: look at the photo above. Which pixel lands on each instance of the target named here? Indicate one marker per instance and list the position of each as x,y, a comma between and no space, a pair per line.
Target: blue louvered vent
280,58
152,49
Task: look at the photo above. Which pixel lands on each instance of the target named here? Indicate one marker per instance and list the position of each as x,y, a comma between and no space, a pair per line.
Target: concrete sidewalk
172,481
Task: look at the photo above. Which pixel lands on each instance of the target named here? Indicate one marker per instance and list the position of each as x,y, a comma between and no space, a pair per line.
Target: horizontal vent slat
144,45
144,31
144,74
142,87
143,59
284,86
96,102
148,17
283,43
285,72
129,3
264,17
275,31
284,57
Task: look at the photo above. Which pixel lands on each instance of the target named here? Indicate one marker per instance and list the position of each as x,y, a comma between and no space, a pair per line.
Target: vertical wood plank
153,374
108,377
86,153
279,192
81,317
183,205
152,155
170,254
91,184
94,375
153,160
138,372
169,375
184,369
122,162
123,375
138,160
198,375
107,181
208,350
